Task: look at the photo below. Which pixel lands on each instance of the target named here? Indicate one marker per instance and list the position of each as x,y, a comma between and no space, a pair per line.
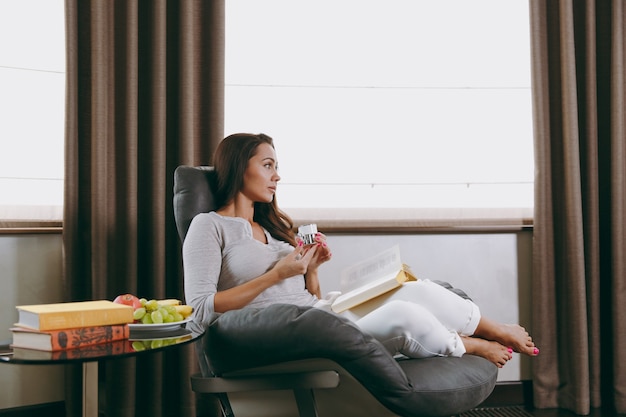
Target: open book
370,278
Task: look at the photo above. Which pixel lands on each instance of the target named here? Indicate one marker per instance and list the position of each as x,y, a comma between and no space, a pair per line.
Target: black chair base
302,384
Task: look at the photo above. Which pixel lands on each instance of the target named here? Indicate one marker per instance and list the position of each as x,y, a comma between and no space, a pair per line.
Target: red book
65,339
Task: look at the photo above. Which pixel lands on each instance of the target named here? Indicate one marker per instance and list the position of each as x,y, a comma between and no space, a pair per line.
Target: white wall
493,268
31,268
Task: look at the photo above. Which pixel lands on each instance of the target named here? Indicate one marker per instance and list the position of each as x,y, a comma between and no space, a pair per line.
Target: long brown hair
231,161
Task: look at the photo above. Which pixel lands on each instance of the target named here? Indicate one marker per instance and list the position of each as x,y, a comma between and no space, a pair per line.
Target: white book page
370,270
365,292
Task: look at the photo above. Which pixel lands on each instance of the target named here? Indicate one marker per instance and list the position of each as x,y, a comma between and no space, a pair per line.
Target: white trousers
419,319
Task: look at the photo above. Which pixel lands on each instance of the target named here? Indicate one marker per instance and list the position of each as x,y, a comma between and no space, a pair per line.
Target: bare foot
511,335
492,351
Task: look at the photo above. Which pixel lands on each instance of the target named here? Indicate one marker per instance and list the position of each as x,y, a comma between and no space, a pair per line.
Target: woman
246,254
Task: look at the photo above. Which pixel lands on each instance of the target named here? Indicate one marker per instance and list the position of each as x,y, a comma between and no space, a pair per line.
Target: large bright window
32,85
387,104
372,103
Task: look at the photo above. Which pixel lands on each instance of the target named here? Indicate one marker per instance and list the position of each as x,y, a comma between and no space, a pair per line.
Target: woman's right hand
297,262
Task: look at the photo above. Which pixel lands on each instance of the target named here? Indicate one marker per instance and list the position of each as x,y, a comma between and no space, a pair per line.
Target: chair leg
227,410
305,399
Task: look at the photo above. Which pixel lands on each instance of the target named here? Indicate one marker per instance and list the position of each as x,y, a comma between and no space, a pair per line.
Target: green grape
152,305
147,319
138,346
164,314
168,318
157,317
143,302
170,309
156,344
177,316
139,313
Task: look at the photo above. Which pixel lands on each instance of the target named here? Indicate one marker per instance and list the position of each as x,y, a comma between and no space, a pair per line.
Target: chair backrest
193,194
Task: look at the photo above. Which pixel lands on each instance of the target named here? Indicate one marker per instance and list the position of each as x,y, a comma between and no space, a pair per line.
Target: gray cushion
253,337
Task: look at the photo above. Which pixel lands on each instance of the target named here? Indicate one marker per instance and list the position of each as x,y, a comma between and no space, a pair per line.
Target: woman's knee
408,328
397,317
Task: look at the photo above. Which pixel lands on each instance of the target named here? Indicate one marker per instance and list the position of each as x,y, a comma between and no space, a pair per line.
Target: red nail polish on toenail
536,351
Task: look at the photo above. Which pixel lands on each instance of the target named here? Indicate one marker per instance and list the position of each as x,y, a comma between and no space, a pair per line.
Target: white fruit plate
157,326
159,335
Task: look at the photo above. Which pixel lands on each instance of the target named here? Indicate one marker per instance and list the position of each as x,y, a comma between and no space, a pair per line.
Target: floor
520,411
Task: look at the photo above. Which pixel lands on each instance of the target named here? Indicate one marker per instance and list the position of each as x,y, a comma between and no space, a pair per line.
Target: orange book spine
87,336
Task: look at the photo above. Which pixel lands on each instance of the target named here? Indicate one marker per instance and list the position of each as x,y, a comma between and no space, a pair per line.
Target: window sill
12,227
25,218
414,220
365,220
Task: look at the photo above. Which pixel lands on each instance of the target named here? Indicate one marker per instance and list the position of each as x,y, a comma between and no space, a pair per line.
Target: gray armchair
317,354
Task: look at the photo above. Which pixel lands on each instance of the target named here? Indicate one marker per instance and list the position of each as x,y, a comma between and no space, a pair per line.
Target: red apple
129,300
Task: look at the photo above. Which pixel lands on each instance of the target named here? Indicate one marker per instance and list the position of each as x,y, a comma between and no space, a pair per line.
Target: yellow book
371,278
74,314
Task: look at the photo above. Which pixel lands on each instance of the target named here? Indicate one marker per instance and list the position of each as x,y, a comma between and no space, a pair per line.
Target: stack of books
65,326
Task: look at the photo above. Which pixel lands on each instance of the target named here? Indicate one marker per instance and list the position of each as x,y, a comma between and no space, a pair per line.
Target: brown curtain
579,280
145,89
